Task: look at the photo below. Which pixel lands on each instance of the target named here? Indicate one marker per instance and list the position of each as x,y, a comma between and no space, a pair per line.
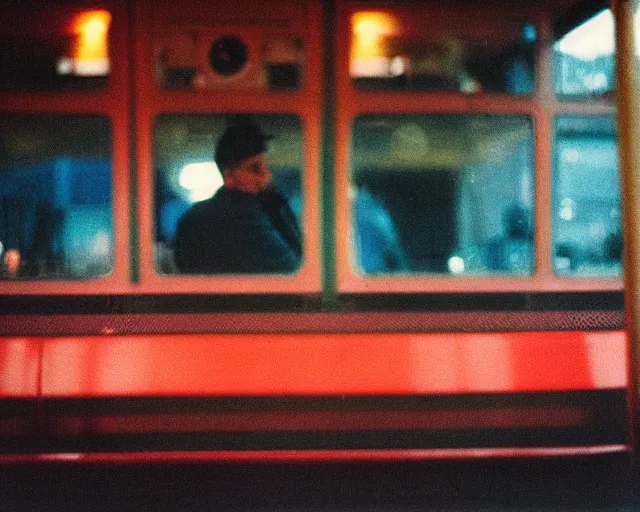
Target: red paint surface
19,367
329,364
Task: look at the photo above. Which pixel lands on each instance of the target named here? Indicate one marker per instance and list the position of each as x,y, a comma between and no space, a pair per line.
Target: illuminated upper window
49,47
90,55
370,56
420,50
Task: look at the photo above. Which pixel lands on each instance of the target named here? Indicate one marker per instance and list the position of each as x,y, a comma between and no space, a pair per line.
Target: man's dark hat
238,142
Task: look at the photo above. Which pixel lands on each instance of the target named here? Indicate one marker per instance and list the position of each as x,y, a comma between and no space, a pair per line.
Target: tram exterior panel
456,183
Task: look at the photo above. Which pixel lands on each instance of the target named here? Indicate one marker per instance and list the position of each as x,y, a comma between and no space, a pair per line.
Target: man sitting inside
247,227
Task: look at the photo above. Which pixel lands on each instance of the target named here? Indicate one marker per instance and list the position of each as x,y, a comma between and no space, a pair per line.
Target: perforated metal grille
52,325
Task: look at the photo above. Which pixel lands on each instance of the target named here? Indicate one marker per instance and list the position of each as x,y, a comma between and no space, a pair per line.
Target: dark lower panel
19,425
383,440
525,420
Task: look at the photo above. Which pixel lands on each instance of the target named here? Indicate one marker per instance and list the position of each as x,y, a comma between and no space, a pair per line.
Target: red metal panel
332,364
19,367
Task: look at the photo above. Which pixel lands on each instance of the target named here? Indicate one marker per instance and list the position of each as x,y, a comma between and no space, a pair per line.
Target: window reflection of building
56,236
45,254
584,58
488,192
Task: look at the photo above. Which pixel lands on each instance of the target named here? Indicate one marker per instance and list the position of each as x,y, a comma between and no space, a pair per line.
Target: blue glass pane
587,231
55,196
442,194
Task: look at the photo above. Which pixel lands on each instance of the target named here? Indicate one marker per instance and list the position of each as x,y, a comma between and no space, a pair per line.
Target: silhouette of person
247,226
377,243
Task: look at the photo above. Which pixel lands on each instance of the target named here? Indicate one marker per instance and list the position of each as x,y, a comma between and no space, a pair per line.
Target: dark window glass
186,175
255,56
53,46
424,50
587,234
442,194
55,196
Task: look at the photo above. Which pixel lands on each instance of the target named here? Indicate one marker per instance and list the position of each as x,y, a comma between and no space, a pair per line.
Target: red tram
454,170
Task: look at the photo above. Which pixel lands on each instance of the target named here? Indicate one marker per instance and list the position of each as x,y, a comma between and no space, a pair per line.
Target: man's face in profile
251,175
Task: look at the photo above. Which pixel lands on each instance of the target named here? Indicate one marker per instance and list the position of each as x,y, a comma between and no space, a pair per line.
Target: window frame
108,102
304,102
542,107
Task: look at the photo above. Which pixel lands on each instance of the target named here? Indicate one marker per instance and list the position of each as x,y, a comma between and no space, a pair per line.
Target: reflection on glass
186,173
442,194
54,47
584,58
55,197
587,234
418,50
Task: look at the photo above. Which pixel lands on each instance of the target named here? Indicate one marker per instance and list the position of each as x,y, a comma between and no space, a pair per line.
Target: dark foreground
579,483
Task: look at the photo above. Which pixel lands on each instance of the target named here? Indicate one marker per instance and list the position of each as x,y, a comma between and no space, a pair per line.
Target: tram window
55,197
250,57
52,46
442,194
587,230
584,58
425,51
184,147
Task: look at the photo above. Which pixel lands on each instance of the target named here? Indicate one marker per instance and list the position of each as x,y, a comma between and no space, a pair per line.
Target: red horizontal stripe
332,364
303,456
313,364
317,421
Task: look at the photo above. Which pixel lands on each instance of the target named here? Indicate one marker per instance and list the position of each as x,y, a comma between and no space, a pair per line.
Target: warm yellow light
369,30
12,262
91,51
